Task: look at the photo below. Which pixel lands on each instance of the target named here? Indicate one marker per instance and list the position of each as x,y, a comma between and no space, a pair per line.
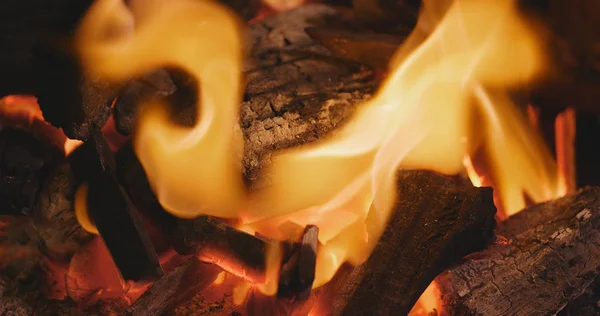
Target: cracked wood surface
296,91
549,257
433,225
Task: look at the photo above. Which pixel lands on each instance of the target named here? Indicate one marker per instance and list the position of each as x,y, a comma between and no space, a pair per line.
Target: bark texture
550,256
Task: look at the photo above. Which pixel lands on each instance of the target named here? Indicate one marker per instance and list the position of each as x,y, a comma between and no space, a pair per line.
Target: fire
440,104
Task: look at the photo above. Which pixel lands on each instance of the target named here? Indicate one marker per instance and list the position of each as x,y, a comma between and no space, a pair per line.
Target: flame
202,38
441,102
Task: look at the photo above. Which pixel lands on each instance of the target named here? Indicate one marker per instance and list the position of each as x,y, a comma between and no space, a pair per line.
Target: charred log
298,269
133,177
436,225
550,260
112,212
214,241
297,91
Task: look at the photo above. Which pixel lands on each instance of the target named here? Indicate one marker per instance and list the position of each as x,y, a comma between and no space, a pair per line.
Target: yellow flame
442,100
192,170
81,211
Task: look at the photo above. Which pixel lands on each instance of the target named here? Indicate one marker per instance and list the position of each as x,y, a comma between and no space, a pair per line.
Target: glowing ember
439,104
24,112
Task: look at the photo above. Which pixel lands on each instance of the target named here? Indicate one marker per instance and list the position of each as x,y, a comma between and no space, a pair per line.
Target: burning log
214,241
298,271
112,212
435,222
433,226
133,177
175,287
296,90
549,262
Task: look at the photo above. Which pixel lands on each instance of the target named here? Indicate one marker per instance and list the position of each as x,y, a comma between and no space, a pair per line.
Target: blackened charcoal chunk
68,98
24,161
155,85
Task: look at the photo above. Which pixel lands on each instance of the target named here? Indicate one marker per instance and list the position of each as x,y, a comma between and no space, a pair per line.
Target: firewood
433,226
175,287
298,271
213,241
132,176
112,212
296,91
549,259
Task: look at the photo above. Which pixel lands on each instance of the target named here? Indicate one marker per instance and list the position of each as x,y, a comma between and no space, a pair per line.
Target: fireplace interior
332,157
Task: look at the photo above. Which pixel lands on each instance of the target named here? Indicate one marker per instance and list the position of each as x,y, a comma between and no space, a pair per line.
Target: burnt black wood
298,270
112,211
548,265
216,242
132,176
434,224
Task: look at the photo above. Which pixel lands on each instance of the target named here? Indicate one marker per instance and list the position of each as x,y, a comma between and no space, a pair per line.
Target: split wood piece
434,225
233,250
112,211
298,271
24,164
175,287
133,177
550,258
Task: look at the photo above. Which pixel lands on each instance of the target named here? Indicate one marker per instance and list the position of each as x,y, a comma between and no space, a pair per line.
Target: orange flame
439,104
